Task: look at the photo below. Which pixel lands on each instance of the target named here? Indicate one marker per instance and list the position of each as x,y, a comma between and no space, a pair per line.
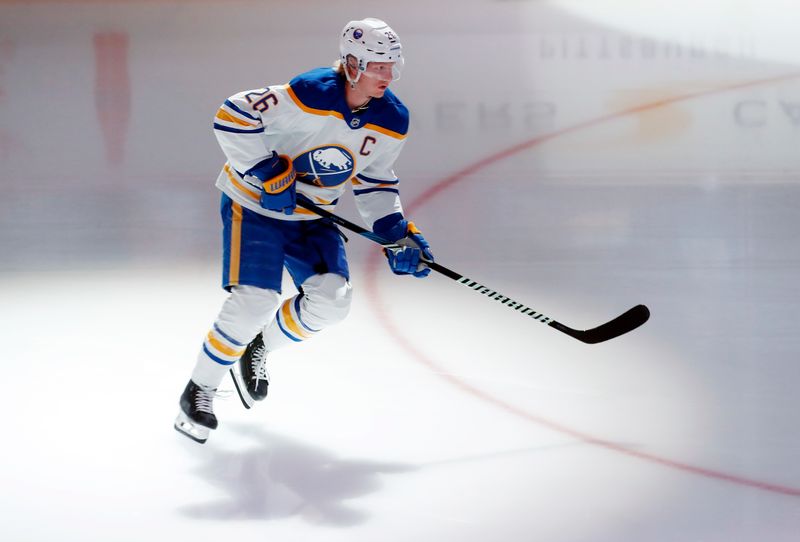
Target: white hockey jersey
308,119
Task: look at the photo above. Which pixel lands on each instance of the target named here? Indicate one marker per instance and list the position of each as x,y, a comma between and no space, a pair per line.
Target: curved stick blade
628,321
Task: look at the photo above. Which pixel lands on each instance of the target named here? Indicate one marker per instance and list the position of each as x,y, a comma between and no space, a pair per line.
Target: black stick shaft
624,323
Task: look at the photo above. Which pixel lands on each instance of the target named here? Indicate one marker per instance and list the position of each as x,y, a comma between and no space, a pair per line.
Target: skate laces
259,364
204,398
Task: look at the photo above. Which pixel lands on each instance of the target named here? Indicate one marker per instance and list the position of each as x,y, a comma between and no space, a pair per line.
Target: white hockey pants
247,310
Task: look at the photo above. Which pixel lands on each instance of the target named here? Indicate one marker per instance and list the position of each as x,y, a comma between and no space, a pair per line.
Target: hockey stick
628,321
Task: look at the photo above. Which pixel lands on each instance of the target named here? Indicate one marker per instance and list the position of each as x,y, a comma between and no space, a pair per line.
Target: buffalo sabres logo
355,122
357,33
327,166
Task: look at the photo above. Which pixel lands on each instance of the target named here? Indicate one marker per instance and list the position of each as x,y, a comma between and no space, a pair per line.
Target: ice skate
250,374
196,417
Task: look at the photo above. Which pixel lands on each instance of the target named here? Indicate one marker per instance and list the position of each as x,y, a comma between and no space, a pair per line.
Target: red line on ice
460,175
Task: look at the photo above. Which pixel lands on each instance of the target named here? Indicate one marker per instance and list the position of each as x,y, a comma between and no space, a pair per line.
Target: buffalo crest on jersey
328,166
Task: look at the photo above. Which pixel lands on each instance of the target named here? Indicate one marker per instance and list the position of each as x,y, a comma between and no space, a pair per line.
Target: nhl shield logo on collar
355,122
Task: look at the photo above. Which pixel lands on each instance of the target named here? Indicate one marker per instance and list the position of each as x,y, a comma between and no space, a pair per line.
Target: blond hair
338,66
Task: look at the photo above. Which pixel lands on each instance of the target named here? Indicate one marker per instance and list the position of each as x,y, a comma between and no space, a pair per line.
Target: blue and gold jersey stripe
218,126
230,118
233,107
375,189
364,178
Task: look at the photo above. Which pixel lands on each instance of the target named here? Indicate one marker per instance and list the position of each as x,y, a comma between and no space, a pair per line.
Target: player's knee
246,311
327,299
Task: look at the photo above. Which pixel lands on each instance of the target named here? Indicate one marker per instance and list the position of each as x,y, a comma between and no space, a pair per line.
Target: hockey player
305,139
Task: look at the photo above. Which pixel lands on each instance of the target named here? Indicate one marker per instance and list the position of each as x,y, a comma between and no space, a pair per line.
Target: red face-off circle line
374,293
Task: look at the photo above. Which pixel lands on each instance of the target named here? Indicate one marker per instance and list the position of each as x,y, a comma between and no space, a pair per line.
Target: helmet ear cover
370,40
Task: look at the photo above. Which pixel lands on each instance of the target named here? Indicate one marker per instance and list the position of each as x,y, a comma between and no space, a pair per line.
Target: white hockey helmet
370,40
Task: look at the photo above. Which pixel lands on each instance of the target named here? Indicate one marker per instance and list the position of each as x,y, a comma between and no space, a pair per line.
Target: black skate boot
250,374
196,417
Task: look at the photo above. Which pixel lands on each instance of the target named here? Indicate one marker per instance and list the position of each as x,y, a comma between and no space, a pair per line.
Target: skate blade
196,432
241,389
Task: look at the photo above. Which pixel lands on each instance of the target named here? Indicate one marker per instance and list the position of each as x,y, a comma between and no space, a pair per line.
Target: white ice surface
607,157
359,440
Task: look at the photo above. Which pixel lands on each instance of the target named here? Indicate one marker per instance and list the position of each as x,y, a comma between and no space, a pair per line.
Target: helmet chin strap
350,79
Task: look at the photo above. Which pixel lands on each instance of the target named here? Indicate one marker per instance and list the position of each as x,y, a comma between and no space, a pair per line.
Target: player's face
375,80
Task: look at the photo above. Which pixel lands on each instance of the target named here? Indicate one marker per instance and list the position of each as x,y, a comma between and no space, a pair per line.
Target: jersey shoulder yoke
321,91
318,89
390,113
